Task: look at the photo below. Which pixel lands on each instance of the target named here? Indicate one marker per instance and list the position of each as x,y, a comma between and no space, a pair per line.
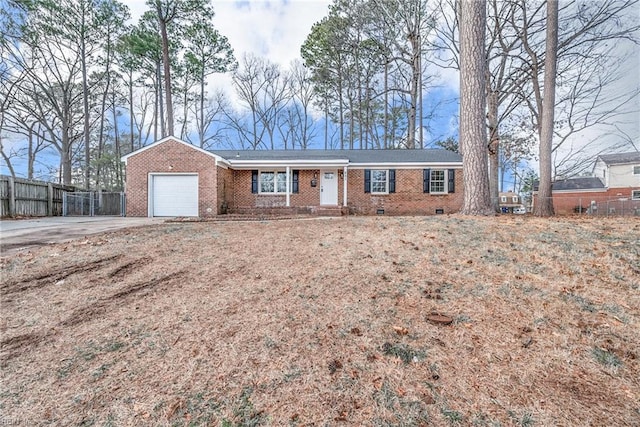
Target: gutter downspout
288,192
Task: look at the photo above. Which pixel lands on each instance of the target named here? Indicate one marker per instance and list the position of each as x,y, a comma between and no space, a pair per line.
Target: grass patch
606,358
404,352
195,410
244,413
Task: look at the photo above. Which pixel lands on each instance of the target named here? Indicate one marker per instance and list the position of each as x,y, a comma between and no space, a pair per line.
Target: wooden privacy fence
24,197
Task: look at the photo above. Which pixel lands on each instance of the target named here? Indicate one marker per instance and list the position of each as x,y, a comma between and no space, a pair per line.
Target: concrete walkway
21,234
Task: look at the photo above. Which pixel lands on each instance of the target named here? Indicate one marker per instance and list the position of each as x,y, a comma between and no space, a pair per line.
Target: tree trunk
544,207
413,98
163,128
326,123
494,144
117,148
386,105
201,126
473,131
103,108
131,110
7,161
420,106
31,158
85,97
166,60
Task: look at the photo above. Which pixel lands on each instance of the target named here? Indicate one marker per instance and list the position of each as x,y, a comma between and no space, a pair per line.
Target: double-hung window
635,194
274,182
437,183
379,181
636,170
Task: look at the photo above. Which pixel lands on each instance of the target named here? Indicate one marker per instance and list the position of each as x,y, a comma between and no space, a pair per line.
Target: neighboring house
620,172
509,201
613,188
173,178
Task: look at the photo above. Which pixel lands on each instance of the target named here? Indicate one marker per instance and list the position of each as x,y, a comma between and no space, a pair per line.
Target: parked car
519,210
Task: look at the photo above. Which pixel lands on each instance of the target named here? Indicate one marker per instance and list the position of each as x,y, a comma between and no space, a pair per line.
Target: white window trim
633,169
635,192
445,186
386,181
514,199
275,182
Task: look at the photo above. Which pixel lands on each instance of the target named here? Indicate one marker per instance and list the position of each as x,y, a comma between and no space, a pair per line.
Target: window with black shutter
254,181
392,180
367,181
294,181
426,178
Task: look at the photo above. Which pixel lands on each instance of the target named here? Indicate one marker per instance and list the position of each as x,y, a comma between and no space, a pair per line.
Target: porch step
329,211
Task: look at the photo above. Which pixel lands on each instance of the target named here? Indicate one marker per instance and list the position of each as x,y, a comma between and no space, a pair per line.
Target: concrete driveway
17,235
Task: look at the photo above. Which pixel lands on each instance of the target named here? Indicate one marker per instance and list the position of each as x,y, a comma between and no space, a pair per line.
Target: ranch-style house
172,178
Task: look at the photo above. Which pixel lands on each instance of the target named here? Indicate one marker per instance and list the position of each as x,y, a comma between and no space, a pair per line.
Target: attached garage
172,178
173,195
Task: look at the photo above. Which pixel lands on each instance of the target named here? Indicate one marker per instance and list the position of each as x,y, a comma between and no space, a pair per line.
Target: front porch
295,189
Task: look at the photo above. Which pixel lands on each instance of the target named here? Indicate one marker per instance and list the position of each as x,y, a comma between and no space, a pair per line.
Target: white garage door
174,195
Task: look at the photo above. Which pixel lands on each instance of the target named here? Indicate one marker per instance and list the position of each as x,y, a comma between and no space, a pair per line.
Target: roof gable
167,139
620,158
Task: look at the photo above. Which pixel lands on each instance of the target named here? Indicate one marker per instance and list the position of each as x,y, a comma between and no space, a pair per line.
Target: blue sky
276,30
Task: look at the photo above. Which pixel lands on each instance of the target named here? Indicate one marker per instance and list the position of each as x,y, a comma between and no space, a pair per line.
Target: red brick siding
244,199
170,157
225,190
408,198
565,203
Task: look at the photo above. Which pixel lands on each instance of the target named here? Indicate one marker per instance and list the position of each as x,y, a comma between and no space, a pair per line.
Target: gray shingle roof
354,156
583,183
620,158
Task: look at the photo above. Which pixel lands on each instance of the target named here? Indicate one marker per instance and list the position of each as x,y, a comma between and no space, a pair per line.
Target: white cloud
272,29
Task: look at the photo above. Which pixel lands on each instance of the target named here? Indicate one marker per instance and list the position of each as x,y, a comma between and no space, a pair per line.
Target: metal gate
93,203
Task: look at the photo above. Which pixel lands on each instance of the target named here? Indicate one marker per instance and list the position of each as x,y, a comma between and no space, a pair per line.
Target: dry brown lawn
328,322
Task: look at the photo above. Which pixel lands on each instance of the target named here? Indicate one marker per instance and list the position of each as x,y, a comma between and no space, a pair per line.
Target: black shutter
294,181
254,181
452,181
367,181
426,177
392,180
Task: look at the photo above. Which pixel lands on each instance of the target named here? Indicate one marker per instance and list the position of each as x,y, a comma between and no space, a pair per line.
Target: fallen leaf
401,330
439,319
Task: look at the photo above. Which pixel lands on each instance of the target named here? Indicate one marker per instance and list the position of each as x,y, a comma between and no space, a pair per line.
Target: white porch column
344,186
289,184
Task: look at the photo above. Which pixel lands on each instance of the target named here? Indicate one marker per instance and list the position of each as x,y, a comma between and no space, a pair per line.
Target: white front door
328,187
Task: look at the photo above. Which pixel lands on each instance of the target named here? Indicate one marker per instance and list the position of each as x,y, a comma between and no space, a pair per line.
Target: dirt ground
363,321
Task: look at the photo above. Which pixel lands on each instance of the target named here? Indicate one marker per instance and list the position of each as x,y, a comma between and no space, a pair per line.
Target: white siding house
618,170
